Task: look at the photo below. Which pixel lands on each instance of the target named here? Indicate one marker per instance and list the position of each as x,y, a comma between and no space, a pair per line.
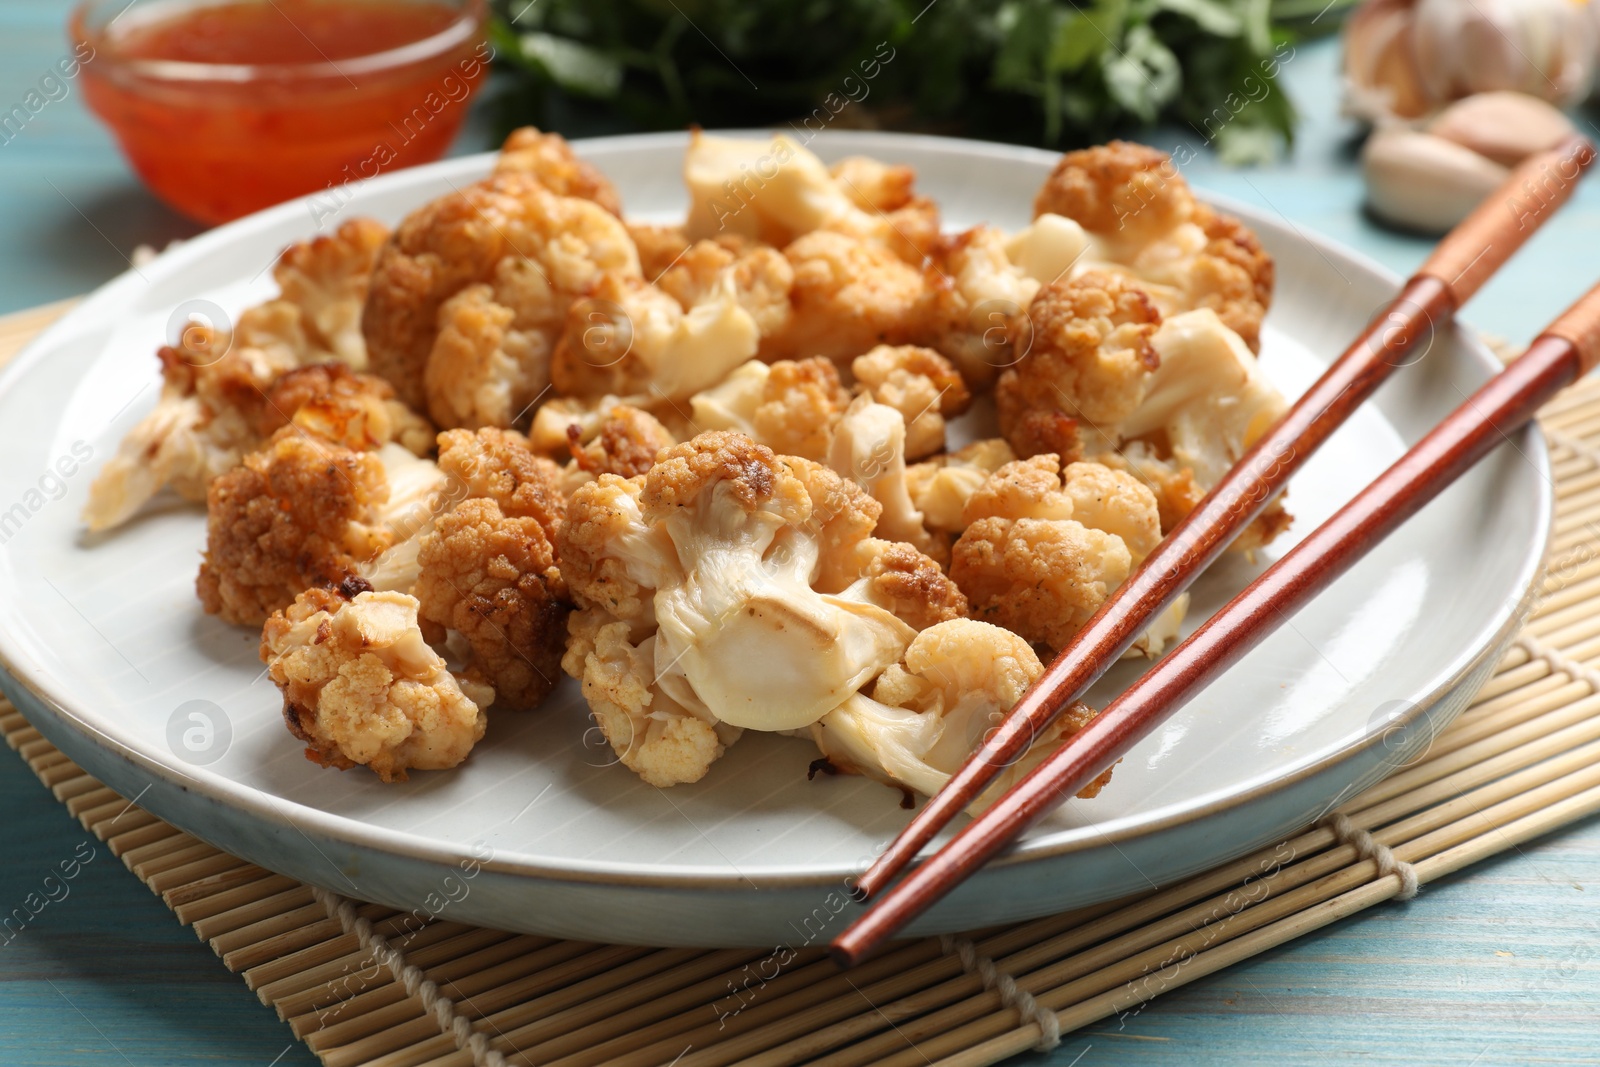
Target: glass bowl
217,140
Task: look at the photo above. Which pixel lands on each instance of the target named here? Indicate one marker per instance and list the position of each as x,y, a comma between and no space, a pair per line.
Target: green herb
1036,71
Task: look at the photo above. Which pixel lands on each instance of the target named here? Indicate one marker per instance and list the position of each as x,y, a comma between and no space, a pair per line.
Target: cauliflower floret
659,245
300,512
358,411
326,278
361,686
498,465
626,443
873,185
849,295
940,487
759,277
493,581
1087,365
927,714
1142,219
630,339
735,588
1045,545
869,448
775,191
419,492
549,158
558,246
483,370
978,295
789,406
921,385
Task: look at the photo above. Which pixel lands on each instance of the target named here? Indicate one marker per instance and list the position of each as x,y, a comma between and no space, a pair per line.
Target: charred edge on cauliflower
499,465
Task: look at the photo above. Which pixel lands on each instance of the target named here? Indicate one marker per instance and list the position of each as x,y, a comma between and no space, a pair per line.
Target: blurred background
223,106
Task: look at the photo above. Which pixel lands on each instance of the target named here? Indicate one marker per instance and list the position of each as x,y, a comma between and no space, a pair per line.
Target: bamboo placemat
367,986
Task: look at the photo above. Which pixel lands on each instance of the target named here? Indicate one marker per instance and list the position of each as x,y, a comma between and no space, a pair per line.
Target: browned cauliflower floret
630,339
790,406
484,370
557,247
493,581
873,185
626,443
1143,219
659,245
358,411
326,279
361,686
301,512
734,588
1087,364
549,158
1044,545
940,487
498,465
921,385
758,276
849,295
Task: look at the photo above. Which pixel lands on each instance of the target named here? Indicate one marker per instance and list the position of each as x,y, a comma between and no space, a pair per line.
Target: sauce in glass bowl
227,107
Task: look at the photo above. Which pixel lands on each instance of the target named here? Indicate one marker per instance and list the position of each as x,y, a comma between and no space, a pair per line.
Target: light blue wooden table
1498,965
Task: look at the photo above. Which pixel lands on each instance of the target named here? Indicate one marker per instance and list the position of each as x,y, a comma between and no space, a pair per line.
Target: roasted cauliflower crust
626,444
298,513
1134,199
730,461
658,244
910,584
759,277
849,295
494,464
361,687
549,158
326,278
1040,578
602,514
940,487
1092,494
564,243
875,186
483,370
494,581
919,383
1120,186
1088,362
356,411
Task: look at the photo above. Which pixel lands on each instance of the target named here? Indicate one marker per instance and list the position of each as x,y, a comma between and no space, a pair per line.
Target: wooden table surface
1499,965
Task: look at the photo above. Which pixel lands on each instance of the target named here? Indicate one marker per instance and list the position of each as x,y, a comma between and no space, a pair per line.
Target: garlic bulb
1407,58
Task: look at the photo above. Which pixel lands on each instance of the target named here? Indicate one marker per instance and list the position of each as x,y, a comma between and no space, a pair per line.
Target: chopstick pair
1463,261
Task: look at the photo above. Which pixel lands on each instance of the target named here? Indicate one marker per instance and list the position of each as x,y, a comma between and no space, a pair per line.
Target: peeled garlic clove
1507,127
1425,183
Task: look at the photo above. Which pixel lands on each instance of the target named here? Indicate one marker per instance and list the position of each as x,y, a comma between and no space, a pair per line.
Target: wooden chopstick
1458,267
1561,355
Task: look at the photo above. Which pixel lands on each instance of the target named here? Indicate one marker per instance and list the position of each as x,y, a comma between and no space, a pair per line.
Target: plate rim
256,804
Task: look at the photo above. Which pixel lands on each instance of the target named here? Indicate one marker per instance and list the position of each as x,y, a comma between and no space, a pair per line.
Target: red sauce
316,106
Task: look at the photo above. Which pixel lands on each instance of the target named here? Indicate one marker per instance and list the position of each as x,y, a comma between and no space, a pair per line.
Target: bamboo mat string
1559,661
1368,849
1011,995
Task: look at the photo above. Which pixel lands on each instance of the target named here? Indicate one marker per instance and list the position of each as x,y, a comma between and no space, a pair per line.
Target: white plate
111,648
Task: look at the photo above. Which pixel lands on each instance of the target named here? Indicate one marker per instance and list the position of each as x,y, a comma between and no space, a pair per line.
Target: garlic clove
1381,77
1506,127
1425,183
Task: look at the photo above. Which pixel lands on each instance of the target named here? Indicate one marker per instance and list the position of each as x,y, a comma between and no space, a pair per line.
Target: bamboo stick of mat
1458,267
1566,351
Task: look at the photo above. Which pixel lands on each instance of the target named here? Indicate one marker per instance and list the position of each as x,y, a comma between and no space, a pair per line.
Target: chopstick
1458,267
1568,349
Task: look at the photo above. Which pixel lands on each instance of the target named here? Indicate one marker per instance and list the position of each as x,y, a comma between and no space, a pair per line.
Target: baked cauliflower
849,295
325,280
1044,545
728,588
869,448
1142,219
538,251
358,411
301,512
550,159
929,712
919,383
940,487
791,406
977,294
490,581
631,339
777,190
361,687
